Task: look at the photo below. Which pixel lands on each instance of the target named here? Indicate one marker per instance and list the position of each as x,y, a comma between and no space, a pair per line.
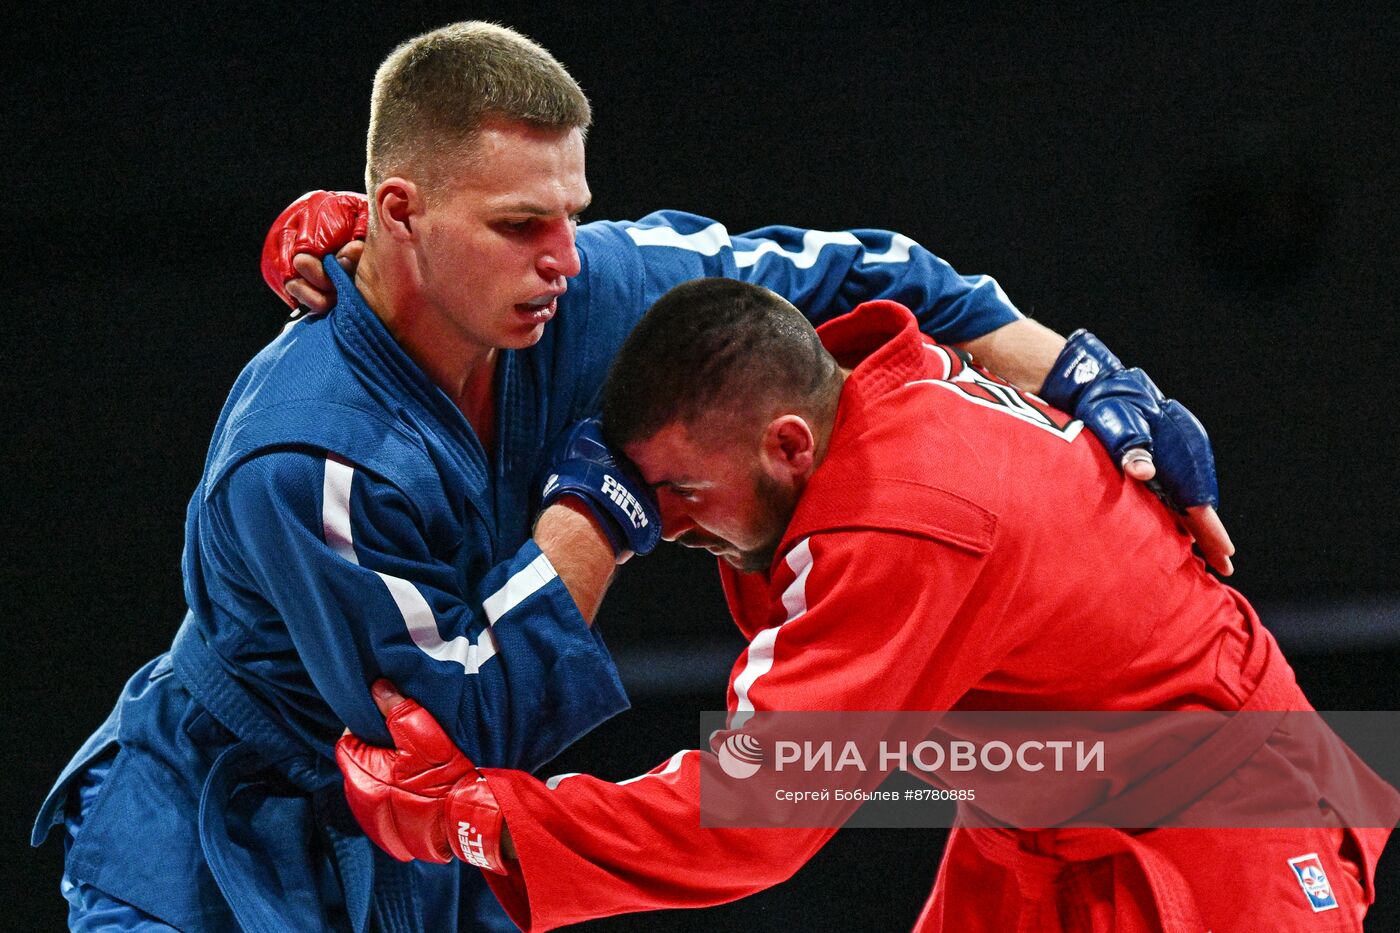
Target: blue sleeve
342,557
823,274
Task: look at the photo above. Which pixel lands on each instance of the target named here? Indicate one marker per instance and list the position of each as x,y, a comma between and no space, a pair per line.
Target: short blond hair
433,92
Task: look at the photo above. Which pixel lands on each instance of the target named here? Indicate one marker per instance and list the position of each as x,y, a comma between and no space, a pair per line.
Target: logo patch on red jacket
1308,869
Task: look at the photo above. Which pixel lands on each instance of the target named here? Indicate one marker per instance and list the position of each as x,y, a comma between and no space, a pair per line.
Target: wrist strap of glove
610,502
475,824
1083,360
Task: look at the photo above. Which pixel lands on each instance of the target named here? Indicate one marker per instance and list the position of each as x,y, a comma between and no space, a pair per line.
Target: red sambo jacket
962,546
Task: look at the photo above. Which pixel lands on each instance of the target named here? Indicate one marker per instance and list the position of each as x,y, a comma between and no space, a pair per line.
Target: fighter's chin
748,561
523,337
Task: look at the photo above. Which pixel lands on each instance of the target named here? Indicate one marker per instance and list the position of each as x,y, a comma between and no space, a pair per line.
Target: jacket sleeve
340,557
824,274
852,629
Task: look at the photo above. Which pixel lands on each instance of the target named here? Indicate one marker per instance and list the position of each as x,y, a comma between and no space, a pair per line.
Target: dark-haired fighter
372,502
898,531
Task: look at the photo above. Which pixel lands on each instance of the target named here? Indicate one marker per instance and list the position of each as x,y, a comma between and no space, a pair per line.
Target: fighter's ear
398,203
788,449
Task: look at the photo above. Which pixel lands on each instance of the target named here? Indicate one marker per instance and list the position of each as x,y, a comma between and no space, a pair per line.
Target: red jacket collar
881,344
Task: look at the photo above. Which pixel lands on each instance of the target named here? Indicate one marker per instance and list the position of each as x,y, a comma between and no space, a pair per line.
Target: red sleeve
860,621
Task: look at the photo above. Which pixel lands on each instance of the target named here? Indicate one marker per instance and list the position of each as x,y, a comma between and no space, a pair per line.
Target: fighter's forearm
570,537
1021,352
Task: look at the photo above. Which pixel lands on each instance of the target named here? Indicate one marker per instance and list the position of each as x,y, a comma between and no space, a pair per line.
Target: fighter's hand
1154,439
422,799
314,225
624,506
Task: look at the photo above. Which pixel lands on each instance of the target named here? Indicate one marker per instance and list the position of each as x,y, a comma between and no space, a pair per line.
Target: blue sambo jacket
349,525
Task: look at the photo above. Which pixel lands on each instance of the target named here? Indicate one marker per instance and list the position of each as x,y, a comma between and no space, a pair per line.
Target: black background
1213,193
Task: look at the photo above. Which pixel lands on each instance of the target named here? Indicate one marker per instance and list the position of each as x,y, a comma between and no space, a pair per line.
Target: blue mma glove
1126,410
626,509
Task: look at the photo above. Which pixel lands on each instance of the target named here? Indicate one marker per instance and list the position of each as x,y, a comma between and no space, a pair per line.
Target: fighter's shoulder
659,228
302,361
891,480
624,266
300,394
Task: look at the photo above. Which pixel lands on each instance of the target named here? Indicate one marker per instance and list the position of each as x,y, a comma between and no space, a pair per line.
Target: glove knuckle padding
417,808
402,818
334,219
584,466
1125,409
1118,422
1185,463
415,731
1117,408
419,826
318,222
369,796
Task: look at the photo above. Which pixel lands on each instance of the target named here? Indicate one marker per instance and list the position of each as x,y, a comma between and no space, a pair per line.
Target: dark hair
716,353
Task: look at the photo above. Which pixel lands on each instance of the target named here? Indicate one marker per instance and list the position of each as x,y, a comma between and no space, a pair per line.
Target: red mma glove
422,799
319,223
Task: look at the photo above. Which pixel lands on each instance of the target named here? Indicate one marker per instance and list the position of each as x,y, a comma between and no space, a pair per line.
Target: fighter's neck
463,370
826,423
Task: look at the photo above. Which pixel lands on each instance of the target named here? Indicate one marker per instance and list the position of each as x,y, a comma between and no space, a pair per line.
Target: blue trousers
91,910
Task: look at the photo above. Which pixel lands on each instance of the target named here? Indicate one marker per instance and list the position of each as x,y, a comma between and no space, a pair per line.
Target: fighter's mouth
541,308
716,546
